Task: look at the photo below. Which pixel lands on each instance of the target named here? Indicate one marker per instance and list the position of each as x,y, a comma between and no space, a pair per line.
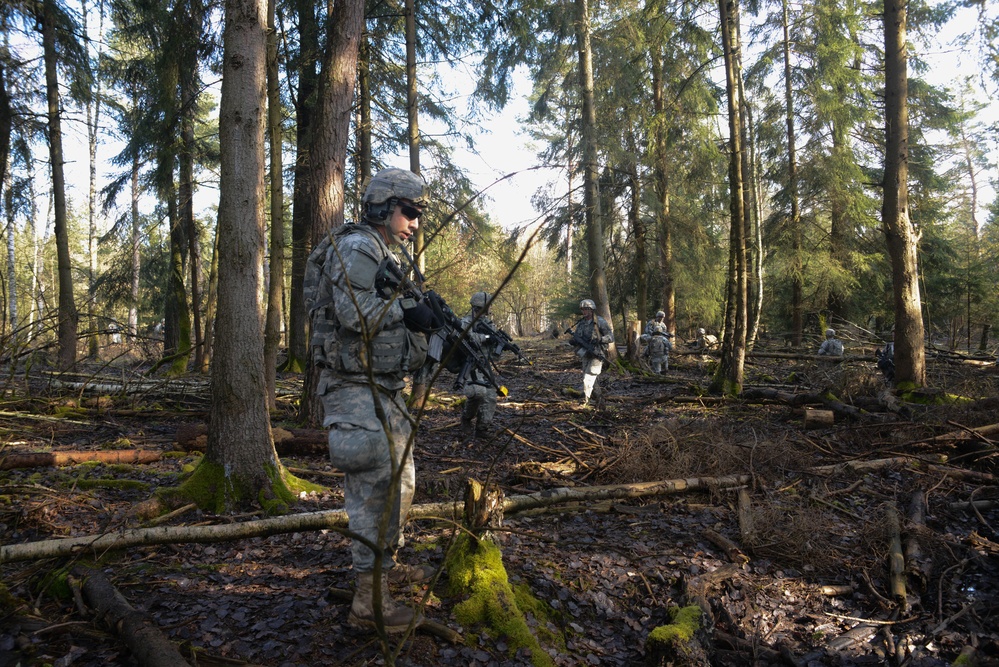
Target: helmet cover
479,300
395,183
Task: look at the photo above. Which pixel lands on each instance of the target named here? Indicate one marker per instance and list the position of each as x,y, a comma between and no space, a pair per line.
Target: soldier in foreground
367,337
590,337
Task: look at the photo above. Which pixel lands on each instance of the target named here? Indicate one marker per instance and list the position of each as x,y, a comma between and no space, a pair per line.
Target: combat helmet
387,187
660,313
479,300
587,303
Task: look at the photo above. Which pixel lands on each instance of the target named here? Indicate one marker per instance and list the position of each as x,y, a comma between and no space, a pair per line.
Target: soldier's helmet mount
387,187
587,303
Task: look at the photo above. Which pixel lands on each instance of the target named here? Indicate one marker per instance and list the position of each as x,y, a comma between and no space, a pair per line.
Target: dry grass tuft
704,447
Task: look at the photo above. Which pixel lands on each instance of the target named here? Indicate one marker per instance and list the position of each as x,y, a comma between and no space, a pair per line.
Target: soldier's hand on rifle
419,317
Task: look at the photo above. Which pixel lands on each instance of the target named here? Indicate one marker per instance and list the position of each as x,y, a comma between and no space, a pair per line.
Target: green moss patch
475,568
119,484
676,636
214,491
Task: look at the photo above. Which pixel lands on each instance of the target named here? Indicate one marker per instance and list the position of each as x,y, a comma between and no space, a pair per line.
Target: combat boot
396,618
467,428
403,574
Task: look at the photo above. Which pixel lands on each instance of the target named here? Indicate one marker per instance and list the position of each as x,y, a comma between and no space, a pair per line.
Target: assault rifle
502,339
450,343
588,346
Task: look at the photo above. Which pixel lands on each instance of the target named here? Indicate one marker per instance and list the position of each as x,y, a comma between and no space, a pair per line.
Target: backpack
317,288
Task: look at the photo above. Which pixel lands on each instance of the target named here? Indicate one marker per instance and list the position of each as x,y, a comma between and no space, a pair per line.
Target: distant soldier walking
590,337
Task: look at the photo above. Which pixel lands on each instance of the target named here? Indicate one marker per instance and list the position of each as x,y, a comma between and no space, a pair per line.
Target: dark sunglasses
411,212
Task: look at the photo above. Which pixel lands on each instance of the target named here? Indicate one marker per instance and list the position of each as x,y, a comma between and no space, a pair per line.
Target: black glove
419,317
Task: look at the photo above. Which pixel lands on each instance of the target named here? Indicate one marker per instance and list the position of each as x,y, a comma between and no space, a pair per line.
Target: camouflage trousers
480,403
659,364
591,370
369,452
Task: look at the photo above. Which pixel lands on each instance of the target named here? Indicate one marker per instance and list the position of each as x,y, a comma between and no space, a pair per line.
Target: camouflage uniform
831,346
656,325
598,333
705,341
370,427
657,349
480,394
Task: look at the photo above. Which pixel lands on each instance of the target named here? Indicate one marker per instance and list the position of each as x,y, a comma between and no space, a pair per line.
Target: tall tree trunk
591,199
329,148
239,439
794,220
67,315
133,304
211,300
186,195
93,109
413,124
637,224
728,377
364,117
301,217
275,286
839,227
6,122
660,169
902,237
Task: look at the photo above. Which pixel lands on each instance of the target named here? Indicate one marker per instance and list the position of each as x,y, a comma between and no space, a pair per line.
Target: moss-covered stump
676,644
475,569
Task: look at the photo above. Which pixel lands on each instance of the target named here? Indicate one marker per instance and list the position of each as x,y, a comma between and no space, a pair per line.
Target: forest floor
812,587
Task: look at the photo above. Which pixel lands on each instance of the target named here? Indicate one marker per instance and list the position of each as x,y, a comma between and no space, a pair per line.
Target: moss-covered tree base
212,490
676,644
475,569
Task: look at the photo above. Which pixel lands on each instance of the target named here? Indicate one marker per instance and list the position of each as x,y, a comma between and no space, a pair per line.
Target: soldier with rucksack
366,337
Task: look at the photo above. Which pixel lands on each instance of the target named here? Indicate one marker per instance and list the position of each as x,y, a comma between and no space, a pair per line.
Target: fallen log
337,519
138,632
815,418
42,459
287,442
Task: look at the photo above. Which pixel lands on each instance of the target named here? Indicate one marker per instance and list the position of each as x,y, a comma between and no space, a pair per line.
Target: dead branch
148,645
896,562
917,567
730,548
747,527
337,519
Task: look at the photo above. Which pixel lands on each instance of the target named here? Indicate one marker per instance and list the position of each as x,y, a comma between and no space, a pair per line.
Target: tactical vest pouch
417,353
387,353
